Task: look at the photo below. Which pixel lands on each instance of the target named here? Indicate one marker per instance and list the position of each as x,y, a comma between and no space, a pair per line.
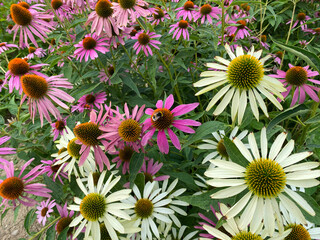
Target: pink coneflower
30,22
88,47
301,19
41,90
315,31
149,169
66,219
162,119
88,137
179,28
62,9
262,40
124,129
296,78
187,11
278,57
303,43
50,168
17,188
115,40
126,9
19,67
59,127
102,20
33,52
207,221
5,46
144,42
207,12
158,15
44,210
6,150
89,101
241,31
105,75
124,157
2,84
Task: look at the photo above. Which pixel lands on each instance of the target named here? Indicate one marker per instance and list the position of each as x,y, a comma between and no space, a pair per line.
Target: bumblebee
156,116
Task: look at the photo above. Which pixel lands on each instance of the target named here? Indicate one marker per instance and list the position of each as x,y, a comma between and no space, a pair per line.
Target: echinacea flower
179,233
89,46
30,22
6,150
5,46
264,182
41,91
100,206
263,41
150,168
124,157
89,101
50,168
33,52
296,78
243,77
15,189
301,19
61,9
163,118
186,11
241,31
145,39
59,127
105,75
206,13
180,28
158,15
44,210
65,220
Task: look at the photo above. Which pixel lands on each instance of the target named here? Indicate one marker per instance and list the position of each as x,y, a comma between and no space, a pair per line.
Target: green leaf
234,153
135,165
51,233
186,178
315,206
4,214
128,81
28,221
80,91
55,187
140,181
315,119
204,130
63,234
285,115
16,212
220,222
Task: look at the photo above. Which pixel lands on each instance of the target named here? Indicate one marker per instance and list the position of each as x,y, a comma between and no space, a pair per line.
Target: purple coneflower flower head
41,91
301,19
150,169
6,150
105,75
19,67
241,31
297,79
315,31
145,39
158,15
207,221
61,9
44,210
124,157
115,40
132,9
66,219
89,101
207,12
278,57
163,119
5,46
180,28
262,40
30,22
187,11
102,19
50,168
59,127
15,189
303,43
88,47
33,52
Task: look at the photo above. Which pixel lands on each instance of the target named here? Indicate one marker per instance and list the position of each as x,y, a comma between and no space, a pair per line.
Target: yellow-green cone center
88,133
74,149
246,236
129,130
296,76
125,154
222,149
127,4
143,208
298,232
265,178
245,72
63,223
93,206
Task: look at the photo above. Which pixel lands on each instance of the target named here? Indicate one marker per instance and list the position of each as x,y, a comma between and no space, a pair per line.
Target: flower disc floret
183,24
127,4
143,39
11,188
242,23
59,125
93,206
265,178
74,149
298,232
263,38
126,153
88,133
89,43
296,76
34,86
301,16
63,223
31,49
222,149
56,4
20,15
159,14
162,118
18,66
129,130
205,9
24,4
246,236
103,8
188,5
143,208
245,72
44,211
90,98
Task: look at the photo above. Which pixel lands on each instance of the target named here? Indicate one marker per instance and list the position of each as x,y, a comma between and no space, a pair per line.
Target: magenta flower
115,39
207,12
14,189
59,127
33,52
301,19
62,10
241,31
89,101
207,221
144,42
6,150
88,47
262,40
105,75
296,79
5,47
50,168
179,28
44,210
124,157
187,11
162,119
66,219
158,15
149,169
30,22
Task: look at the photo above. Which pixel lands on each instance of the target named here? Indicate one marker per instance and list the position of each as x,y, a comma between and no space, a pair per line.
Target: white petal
269,217
257,54
292,208
261,102
242,106
212,73
270,97
243,149
235,105
285,152
257,217
224,102
217,97
239,51
162,217
153,227
247,215
230,53
208,81
277,144
76,221
225,182
253,146
294,158
302,166
229,192
216,66
223,173
211,87
216,233
302,175
300,200
115,223
222,60
304,183
228,165
239,206
253,104
264,143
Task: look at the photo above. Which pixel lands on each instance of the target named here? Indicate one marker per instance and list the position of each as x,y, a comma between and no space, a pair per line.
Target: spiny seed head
242,23
265,178
298,232
10,26
246,236
104,232
11,188
133,32
103,8
74,149
143,208
205,9
63,223
143,39
20,15
129,130
88,133
95,176
159,14
44,211
18,66
31,49
222,149
161,118
93,206
301,16
263,38
231,37
279,54
317,30
90,98
55,168
188,6
296,76
24,4
56,4
127,4
53,41
148,177
89,43
183,24
34,86
111,70
59,125
125,154
245,72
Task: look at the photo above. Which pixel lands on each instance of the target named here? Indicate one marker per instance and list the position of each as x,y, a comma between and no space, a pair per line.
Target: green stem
222,22
44,228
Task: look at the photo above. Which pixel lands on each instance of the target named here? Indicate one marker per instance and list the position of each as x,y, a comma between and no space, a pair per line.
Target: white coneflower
243,78
264,180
